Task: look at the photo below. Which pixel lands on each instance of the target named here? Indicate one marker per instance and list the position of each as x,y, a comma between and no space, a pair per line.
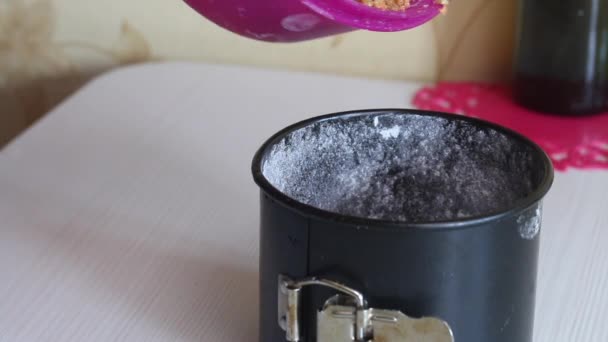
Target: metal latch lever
346,318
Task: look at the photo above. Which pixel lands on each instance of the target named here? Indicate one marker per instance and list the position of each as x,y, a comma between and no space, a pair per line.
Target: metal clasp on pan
346,317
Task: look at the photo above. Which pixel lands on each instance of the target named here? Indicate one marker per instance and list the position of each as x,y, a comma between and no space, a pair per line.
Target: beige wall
48,48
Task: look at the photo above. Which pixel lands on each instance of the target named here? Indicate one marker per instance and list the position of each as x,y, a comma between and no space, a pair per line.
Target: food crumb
391,5
443,3
399,5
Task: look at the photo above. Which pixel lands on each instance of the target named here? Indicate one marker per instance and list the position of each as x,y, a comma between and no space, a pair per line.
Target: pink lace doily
578,142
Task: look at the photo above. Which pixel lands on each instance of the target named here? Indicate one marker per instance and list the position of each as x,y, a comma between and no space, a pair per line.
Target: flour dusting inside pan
401,167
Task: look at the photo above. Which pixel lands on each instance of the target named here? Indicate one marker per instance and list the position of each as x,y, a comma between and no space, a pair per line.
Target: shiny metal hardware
346,318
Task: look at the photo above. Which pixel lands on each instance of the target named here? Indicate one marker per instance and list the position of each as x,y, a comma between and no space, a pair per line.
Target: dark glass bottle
561,62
